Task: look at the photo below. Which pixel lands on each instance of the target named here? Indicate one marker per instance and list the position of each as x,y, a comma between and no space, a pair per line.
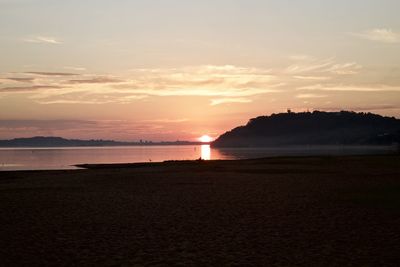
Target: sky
177,69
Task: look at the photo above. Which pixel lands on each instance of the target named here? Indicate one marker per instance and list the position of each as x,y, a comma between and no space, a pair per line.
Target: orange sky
169,70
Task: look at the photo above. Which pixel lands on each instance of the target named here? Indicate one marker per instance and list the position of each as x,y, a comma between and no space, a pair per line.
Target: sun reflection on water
205,152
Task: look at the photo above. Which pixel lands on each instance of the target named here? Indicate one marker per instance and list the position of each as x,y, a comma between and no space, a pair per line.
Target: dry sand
315,211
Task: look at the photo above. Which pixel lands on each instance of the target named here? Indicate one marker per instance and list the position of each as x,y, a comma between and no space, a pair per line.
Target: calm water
65,158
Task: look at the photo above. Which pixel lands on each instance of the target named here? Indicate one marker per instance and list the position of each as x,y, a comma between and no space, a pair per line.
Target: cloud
376,107
219,84
345,69
226,81
313,66
89,129
219,101
82,96
201,92
300,57
51,73
42,40
81,102
75,68
166,121
312,78
221,81
24,80
21,89
303,96
45,124
96,80
379,35
365,108
29,128
310,66
344,88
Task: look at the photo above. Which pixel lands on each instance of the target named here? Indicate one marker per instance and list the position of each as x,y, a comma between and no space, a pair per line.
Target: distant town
50,141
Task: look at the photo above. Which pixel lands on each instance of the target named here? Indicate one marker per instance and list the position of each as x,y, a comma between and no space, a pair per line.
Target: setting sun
205,139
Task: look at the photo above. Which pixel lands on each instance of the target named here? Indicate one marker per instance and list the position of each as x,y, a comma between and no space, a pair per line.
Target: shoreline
69,158
222,161
91,166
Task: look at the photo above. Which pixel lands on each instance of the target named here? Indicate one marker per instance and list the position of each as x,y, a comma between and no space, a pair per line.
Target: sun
205,139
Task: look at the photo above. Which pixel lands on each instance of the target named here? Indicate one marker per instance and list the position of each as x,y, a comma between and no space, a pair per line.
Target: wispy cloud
221,81
199,92
219,101
304,96
45,124
382,35
218,84
77,101
312,78
27,88
345,68
313,67
40,73
378,88
23,80
75,68
363,108
42,40
84,96
166,121
301,57
88,129
96,80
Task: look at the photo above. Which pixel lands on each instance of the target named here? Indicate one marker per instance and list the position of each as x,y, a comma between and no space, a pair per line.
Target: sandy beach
310,211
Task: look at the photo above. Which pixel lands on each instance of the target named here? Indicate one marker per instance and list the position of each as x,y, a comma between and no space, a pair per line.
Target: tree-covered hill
313,128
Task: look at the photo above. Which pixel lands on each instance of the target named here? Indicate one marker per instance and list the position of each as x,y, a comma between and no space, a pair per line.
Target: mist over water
66,158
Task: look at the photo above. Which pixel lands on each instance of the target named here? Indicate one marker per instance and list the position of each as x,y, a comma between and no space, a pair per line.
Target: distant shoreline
99,146
54,141
278,147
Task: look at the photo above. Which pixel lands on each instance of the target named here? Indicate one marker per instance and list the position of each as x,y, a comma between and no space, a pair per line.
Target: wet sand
310,211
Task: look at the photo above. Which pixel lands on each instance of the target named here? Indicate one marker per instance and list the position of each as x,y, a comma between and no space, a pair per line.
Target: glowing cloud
379,35
219,101
327,66
22,80
96,80
42,40
310,96
378,88
27,88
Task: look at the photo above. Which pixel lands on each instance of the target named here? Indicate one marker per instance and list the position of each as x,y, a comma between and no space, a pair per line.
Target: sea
58,158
